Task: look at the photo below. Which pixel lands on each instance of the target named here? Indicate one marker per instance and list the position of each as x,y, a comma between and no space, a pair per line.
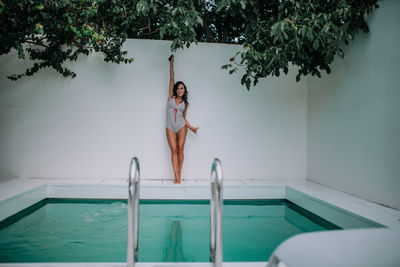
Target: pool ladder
216,204
133,212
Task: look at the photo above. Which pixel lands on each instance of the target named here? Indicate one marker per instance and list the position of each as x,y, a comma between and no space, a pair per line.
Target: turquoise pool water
68,230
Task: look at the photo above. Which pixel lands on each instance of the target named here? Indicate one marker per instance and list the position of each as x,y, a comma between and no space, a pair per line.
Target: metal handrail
216,204
133,212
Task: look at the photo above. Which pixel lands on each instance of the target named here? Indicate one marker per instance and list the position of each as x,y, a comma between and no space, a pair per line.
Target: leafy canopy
274,33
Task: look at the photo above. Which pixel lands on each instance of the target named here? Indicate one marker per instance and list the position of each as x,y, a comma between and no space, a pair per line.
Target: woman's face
180,90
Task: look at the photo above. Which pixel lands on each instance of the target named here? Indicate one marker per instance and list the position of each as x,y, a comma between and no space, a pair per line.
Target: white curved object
361,247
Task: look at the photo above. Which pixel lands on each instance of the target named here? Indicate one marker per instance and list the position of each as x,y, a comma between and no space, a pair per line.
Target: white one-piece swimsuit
175,120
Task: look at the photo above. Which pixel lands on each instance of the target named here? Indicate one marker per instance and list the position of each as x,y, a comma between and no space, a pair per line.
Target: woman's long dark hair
185,94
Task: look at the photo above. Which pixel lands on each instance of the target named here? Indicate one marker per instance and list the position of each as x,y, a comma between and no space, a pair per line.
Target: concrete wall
90,126
354,115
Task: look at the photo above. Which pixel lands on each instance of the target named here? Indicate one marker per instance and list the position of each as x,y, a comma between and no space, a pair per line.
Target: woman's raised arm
171,77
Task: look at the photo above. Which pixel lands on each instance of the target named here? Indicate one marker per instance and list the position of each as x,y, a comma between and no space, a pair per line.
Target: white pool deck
322,200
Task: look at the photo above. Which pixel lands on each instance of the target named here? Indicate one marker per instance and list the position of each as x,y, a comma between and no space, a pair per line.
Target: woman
176,121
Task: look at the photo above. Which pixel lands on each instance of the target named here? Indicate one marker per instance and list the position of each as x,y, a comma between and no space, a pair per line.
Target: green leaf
325,29
316,44
283,31
309,33
243,4
39,7
199,20
285,69
39,28
2,6
328,69
162,32
274,29
248,83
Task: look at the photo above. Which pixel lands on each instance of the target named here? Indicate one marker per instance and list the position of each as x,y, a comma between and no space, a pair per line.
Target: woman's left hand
194,129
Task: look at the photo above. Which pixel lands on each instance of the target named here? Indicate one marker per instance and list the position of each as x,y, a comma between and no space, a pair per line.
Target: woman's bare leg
181,137
172,137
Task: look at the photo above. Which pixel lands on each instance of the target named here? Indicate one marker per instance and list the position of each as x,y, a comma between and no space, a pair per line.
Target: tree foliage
306,33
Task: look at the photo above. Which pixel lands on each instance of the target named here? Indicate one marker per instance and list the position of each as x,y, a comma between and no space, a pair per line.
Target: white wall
90,126
354,115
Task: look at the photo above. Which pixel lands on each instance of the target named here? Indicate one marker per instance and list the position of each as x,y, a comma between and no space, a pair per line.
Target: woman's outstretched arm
171,77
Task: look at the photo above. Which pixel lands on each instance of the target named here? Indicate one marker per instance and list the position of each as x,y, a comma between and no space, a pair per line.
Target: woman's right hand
171,59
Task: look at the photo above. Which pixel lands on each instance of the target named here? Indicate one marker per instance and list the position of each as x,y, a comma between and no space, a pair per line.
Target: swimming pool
82,230
336,215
